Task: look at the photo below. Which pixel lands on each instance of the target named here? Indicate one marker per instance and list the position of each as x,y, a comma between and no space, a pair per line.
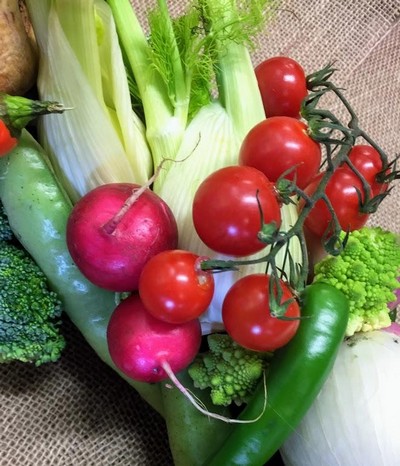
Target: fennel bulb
100,140
354,421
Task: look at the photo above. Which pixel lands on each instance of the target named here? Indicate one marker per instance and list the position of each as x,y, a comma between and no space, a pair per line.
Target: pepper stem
17,111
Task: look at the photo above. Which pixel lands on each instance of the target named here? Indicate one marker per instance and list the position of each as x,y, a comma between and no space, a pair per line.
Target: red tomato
173,287
278,144
247,317
226,214
341,191
7,142
369,163
282,84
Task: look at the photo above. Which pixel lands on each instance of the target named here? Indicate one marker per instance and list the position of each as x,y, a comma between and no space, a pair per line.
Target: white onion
355,420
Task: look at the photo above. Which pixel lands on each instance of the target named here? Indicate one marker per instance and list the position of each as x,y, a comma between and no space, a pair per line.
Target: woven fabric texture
78,412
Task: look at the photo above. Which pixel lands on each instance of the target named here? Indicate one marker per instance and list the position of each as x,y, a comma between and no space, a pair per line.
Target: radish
115,229
147,349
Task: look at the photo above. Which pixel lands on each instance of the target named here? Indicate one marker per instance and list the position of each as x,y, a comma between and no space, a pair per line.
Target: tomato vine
338,139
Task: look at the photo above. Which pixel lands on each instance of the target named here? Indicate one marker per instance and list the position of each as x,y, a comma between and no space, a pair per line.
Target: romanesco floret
29,311
230,371
366,271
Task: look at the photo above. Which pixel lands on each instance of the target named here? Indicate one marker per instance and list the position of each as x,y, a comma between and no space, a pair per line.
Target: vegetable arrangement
170,216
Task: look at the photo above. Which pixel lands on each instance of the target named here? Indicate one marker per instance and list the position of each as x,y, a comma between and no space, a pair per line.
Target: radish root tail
201,407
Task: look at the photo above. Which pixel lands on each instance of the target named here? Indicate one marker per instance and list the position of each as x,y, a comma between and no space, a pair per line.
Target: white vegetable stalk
101,140
355,419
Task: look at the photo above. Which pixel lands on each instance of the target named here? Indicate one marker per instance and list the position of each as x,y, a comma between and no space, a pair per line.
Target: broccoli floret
29,310
6,233
366,271
230,371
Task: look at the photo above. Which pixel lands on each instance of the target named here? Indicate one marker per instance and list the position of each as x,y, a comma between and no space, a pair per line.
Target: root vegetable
143,347
115,229
18,51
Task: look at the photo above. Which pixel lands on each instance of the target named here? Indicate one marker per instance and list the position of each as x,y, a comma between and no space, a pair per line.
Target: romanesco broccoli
366,271
230,371
29,311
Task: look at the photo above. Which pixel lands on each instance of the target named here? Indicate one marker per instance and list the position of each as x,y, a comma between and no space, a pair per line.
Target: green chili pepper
295,377
38,210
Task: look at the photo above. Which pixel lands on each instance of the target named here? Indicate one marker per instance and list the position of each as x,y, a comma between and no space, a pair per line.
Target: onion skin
354,421
394,329
395,303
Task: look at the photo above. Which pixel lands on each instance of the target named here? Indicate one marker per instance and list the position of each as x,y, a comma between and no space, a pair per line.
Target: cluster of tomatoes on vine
237,209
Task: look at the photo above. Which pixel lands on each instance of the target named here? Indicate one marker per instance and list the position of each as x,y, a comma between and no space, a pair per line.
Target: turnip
145,348
115,229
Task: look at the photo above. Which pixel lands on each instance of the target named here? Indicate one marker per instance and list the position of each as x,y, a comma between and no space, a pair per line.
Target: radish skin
142,346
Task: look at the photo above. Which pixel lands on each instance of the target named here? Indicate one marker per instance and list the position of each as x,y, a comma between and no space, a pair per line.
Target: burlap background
77,411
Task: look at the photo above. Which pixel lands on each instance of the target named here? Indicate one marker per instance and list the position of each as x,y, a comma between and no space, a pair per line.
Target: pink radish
144,348
115,229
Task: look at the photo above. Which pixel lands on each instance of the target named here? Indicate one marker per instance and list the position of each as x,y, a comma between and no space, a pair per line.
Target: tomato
247,317
282,84
281,143
226,213
369,163
173,287
341,191
7,142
